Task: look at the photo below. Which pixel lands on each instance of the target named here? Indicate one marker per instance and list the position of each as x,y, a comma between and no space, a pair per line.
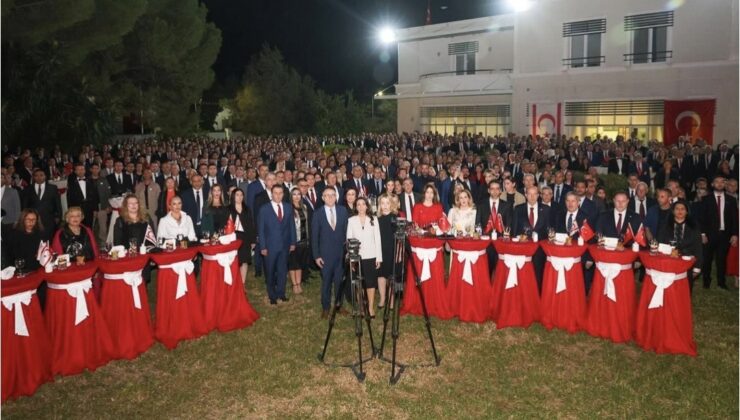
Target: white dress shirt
169,227
368,235
721,210
530,207
83,187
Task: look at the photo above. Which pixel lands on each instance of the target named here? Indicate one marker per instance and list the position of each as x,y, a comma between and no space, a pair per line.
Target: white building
577,67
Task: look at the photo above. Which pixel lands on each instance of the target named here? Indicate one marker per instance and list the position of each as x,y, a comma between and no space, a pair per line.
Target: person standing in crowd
176,223
387,213
462,215
130,228
365,228
193,202
429,210
44,198
120,184
614,223
11,202
276,233
104,209
298,258
148,191
82,193
245,230
169,191
409,199
719,230
216,213
350,198
658,213
681,229
328,231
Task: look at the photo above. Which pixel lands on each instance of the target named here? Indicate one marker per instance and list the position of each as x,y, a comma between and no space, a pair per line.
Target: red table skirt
470,303
130,327
26,363
435,295
732,261
177,319
669,329
614,321
565,310
75,348
225,306
518,306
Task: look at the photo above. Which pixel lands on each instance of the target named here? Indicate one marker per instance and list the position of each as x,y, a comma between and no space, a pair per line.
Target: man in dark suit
120,184
328,232
587,206
277,238
569,220
488,211
408,198
357,182
256,187
641,202
82,192
618,165
614,223
194,201
533,217
376,185
640,168
560,189
266,196
44,198
214,177
719,229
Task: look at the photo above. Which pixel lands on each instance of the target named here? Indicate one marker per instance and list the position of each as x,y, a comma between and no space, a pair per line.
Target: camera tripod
358,298
395,290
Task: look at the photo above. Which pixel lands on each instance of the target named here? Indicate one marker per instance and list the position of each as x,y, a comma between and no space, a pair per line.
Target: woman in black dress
682,230
72,233
216,212
387,211
298,258
21,242
130,228
245,231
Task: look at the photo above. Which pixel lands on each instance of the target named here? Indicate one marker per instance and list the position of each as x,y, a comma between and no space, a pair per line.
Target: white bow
77,290
133,279
224,260
13,303
427,256
182,269
662,281
468,258
514,263
561,265
610,271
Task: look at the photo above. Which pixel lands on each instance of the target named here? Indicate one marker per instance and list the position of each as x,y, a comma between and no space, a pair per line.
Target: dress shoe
273,302
284,299
324,314
723,286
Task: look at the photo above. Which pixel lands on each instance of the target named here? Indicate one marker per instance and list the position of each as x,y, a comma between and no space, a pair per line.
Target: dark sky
333,41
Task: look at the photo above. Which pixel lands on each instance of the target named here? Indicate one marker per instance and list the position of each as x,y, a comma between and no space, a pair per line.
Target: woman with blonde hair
216,211
73,232
130,228
388,205
462,214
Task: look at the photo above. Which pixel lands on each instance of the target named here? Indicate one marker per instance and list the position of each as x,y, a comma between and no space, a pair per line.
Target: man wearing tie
277,237
719,229
356,182
375,184
614,223
44,198
408,199
489,210
193,202
82,192
119,183
533,217
328,233
641,202
560,189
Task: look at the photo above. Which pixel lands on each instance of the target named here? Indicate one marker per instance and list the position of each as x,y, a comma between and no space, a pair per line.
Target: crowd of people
296,200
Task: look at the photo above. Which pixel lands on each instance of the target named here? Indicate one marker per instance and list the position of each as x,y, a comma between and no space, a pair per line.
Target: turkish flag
586,232
629,235
694,119
640,236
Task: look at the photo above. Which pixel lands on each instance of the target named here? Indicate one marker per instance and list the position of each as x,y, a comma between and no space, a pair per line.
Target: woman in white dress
176,222
462,215
365,228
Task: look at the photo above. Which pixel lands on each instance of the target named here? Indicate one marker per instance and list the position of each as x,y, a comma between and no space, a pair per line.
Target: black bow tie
80,179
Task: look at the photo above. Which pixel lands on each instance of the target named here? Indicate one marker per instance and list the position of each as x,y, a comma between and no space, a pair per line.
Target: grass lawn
271,370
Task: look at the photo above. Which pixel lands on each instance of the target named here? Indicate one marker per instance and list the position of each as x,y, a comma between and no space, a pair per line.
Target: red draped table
179,312
225,304
613,300
563,300
80,337
125,305
664,318
25,342
427,256
514,300
469,285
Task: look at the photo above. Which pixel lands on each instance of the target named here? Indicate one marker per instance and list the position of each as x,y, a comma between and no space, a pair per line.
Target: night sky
332,41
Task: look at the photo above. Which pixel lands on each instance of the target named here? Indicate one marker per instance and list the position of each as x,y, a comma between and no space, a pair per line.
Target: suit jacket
118,189
661,178
152,192
326,242
483,212
518,198
710,222
402,198
273,234
614,167
561,199
521,220
649,202
88,202
590,210
643,176
560,221
320,187
190,207
688,244
11,205
252,190
49,206
350,183
607,226
372,189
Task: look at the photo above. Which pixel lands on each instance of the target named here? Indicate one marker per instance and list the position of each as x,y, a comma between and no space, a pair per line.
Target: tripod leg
337,306
394,335
356,290
386,314
427,321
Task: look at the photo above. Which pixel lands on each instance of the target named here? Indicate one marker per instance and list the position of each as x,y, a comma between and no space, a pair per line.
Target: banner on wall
546,118
693,119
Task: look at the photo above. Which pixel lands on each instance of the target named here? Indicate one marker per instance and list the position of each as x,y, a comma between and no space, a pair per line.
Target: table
125,305
664,319
613,300
563,300
225,304
427,257
26,364
515,301
469,283
179,312
80,338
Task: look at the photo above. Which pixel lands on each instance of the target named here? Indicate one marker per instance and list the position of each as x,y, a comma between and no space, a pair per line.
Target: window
584,43
491,120
643,118
650,34
464,56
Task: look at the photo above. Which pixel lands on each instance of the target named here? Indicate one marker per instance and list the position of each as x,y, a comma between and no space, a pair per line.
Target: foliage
613,183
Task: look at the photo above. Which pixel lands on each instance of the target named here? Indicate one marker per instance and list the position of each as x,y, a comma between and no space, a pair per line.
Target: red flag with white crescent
692,119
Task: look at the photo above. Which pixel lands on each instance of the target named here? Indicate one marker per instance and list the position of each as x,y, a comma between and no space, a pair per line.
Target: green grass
270,370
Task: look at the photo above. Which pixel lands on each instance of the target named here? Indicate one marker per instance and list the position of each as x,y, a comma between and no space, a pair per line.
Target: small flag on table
586,232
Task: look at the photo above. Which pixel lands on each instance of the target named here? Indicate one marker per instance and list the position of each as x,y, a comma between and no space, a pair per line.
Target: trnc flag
546,118
586,232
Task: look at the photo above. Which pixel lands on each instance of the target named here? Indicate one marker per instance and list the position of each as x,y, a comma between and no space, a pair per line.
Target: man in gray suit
11,202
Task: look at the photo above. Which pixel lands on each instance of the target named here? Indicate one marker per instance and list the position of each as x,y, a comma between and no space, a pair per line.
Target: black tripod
357,292
395,289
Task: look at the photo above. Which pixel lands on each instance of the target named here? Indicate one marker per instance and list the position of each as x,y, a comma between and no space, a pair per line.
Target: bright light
520,5
387,35
380,93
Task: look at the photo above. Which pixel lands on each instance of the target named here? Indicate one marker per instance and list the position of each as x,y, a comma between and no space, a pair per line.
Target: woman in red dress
429,210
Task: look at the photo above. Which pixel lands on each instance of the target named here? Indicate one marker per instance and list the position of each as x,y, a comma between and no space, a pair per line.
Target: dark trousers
538,260
276,273
716,249
331,275
492,260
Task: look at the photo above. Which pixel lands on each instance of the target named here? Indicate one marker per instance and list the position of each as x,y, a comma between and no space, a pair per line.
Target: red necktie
280,213
531,217
619,224
642,209
313,197
719,210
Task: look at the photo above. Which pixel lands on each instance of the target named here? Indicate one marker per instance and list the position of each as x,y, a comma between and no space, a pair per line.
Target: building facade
637,68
